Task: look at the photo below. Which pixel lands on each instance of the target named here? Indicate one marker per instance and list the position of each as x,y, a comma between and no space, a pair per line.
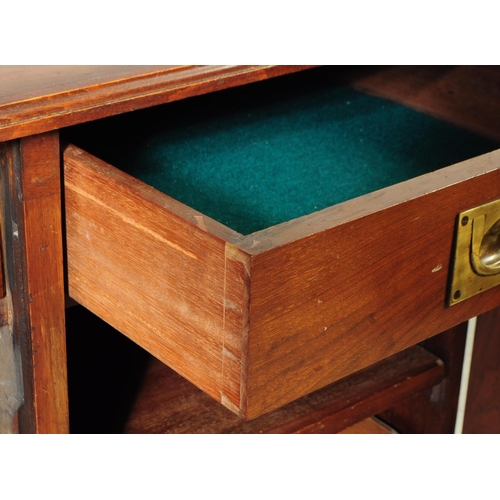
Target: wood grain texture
482,413
331,303
164,281
35,99
434,411
169,404
23,82
34,257
466,96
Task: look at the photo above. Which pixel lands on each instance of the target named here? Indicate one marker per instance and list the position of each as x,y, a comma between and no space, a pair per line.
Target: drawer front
260,320
336,291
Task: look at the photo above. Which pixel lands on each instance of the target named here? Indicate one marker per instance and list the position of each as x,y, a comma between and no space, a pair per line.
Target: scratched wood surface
34,260
35,99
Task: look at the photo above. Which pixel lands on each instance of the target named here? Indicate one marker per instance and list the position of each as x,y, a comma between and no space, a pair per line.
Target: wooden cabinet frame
37,101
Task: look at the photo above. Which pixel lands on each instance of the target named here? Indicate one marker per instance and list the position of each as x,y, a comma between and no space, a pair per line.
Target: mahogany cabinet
263,317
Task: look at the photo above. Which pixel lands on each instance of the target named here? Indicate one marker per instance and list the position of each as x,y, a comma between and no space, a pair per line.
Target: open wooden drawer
260,319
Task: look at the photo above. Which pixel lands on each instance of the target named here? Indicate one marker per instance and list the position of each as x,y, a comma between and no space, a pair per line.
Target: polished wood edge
50,112
366,205
68,80
307,225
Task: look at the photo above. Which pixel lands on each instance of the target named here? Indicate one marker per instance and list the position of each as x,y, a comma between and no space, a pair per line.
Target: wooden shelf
115,386
167,403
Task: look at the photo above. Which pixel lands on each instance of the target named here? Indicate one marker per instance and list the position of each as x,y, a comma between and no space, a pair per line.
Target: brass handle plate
476,265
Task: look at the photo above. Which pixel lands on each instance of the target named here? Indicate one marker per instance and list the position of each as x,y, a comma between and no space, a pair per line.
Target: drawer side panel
153,276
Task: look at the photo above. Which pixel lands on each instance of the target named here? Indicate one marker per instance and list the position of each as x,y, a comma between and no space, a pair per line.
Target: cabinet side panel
150,274
329,304
32,227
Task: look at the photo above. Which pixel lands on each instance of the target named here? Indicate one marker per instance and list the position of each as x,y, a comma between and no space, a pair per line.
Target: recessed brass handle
476,260
485,251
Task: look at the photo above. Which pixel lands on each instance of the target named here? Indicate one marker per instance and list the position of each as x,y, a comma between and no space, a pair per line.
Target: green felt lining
261,155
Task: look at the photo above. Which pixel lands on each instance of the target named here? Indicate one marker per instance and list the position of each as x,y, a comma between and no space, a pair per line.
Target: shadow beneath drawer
105,370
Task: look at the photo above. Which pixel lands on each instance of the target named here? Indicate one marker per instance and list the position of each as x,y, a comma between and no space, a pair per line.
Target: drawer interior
265,153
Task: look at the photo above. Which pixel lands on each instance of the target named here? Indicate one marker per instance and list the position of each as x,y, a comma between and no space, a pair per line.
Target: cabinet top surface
36,99
22,83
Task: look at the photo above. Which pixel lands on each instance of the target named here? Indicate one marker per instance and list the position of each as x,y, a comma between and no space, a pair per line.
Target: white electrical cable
464,382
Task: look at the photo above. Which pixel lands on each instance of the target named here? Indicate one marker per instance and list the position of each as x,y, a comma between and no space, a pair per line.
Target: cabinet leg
33,261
